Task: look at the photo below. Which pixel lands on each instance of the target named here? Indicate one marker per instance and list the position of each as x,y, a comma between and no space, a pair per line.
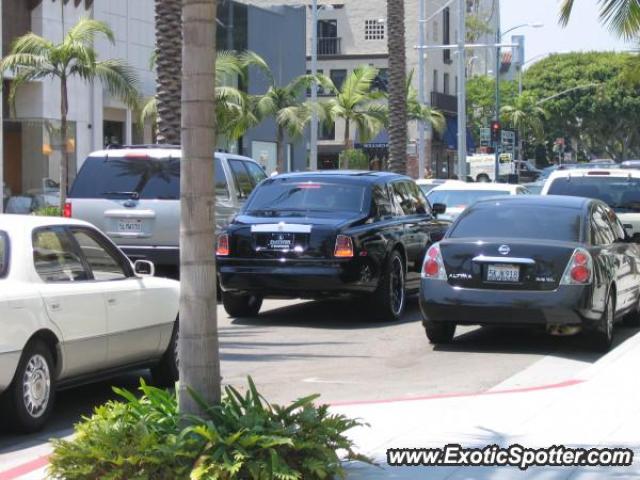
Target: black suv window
4,254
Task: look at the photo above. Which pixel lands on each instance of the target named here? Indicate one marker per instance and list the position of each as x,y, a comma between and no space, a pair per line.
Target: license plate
130,226
281,241
503,273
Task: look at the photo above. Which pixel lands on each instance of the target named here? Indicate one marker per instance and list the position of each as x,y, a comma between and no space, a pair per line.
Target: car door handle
55,307
112,301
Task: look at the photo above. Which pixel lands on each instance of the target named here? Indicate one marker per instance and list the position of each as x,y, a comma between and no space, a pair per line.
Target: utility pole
497,114
313,148
462,92
421,123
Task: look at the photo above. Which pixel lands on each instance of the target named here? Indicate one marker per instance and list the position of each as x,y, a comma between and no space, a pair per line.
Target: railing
329,46
444,102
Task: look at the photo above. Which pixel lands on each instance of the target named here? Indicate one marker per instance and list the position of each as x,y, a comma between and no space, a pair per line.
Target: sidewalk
601,408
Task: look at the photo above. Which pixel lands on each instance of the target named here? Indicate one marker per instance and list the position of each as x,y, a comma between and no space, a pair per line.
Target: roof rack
149,146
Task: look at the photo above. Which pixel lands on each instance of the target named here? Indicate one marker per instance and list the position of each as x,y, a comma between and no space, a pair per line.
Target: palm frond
299,84
359,81
252,59
293,119
621,16
31,43
266,106
86,30
565,12
149,111
228,63
119,79
25,62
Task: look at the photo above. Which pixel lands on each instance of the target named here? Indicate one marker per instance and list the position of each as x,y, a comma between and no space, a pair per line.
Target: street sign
485,137
508,141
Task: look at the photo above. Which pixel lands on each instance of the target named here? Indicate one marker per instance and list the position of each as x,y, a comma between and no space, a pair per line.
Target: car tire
27,403
483,178
166,372
602,336
439,333
390,298
241,304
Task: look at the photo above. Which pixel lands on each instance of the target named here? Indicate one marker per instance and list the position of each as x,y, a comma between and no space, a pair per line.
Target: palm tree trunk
282,161
198,339
168,17
64,160
397,87
347,143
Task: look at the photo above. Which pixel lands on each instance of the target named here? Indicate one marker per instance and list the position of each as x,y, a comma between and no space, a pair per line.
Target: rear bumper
160,256
568,305
299,279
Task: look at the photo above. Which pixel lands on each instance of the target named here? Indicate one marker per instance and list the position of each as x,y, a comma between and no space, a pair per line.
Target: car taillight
222,249
67,210
344,247
433,265
579,270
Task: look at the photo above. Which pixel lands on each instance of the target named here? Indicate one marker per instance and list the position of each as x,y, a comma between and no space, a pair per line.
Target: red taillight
67,211
579,269
223,245
344,247
433,266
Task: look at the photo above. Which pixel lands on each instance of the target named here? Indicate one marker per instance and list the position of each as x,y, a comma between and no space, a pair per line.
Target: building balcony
329,46
443,102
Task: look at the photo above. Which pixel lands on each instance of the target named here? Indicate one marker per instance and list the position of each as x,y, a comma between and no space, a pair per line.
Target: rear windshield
4,254
290,195
620,193
506,221
461,198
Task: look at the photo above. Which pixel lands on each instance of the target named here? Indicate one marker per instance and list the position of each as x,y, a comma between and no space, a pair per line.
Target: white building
32,152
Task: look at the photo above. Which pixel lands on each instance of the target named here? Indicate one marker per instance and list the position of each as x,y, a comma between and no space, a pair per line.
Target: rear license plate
503,273
281,241
129,226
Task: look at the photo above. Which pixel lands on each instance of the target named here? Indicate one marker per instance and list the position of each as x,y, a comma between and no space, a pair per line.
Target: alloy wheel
397,286
36,386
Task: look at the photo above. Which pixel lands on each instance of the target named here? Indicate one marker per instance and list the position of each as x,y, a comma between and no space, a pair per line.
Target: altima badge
504,250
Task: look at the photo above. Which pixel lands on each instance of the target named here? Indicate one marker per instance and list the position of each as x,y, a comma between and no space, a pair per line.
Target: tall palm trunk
64,160
280,147
198,339
168,17
347,142
397,87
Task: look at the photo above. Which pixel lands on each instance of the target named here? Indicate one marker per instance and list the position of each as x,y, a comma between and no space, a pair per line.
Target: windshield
505,221
288,196
461,198
620,193
4,254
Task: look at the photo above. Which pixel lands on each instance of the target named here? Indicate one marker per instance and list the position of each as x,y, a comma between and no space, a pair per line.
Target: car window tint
620,193
4,254
382,204
103,264
222,188
257,174
461,198
602,232
403,198
422,206
55,257
489,220
243,180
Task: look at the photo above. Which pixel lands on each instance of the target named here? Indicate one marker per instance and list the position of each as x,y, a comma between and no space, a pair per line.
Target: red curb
25,468
567,383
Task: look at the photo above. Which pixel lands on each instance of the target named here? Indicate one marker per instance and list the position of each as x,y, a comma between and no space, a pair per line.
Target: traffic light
495,131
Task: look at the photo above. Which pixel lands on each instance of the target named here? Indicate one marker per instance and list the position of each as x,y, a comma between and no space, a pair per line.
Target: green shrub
48,212
244,437
358,160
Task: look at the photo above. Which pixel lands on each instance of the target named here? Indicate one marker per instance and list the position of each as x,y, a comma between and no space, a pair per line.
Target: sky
583,33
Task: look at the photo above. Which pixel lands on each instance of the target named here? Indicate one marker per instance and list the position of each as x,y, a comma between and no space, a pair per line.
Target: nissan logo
504,250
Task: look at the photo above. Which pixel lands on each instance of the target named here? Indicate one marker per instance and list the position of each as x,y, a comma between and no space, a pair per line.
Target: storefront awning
450,136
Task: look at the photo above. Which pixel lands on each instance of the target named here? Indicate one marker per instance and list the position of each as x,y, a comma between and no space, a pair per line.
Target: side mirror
144,268
439,208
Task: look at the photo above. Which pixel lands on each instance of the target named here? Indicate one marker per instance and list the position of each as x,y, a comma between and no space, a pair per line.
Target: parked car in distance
459,196
133,195
73,308
428,184
569,266
328,234
526,171
633,164
618,188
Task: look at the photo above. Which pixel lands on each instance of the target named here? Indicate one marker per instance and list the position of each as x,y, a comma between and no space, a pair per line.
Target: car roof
479,186
595,172
364,176
437,181
565,201
14,222
154,151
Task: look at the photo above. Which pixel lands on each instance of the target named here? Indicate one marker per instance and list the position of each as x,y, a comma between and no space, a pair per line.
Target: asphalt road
293,349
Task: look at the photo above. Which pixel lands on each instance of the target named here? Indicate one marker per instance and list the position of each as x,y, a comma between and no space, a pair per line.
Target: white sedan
73,308
458,196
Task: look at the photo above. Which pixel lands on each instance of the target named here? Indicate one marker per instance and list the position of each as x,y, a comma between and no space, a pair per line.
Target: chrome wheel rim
36,386
397,286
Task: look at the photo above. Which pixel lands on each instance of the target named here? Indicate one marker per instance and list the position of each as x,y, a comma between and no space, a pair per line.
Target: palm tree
397,86
416,111
621,16
168,56
355,104
198,348
284,103
525,115
33,57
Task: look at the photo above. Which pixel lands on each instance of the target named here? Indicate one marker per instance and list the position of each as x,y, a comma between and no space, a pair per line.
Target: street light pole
313,150
462,97
421,123
496,171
